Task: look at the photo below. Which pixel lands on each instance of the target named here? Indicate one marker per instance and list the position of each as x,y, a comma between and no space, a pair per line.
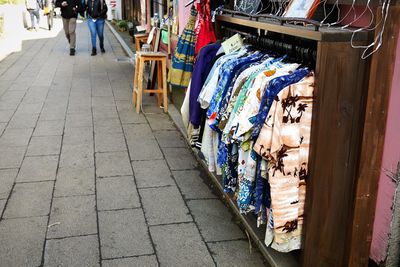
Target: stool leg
159,81
135,82
140,86
164,74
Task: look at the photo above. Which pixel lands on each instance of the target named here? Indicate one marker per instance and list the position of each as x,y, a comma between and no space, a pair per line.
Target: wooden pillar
380,83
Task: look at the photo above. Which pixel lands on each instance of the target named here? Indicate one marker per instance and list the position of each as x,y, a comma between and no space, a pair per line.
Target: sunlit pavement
86,181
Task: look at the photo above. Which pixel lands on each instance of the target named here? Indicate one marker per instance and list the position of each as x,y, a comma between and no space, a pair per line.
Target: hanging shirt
284,143
201,70
211,83
229,70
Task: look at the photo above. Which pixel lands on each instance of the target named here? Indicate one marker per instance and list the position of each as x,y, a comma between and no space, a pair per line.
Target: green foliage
122,24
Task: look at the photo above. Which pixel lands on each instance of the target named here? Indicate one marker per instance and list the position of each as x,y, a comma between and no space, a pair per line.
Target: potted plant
122,25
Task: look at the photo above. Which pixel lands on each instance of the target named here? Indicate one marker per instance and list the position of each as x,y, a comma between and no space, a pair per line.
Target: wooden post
380,84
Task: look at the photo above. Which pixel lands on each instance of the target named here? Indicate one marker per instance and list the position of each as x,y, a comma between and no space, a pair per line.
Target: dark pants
34,13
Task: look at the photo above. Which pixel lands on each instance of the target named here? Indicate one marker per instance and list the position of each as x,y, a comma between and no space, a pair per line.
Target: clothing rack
306,54
336,130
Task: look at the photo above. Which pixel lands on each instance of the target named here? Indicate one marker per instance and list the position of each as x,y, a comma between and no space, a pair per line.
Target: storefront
345,147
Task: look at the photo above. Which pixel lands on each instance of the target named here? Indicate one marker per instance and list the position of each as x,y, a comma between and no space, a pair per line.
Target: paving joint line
120,209
128,257
72,236
95,169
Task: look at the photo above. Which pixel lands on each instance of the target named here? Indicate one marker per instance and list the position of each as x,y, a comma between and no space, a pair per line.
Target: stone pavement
85,181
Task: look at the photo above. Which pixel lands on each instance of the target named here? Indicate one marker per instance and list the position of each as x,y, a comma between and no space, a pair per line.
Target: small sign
232,44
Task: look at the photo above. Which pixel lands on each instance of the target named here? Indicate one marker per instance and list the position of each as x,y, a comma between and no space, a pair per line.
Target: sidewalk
85,181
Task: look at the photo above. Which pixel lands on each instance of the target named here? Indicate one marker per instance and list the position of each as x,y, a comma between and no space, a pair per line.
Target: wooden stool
161,60
141,37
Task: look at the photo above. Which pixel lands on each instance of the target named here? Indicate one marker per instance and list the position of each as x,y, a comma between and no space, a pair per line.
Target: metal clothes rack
306,54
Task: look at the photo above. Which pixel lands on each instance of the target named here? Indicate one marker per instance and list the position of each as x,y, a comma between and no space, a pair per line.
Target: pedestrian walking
69,14
96,13
33,7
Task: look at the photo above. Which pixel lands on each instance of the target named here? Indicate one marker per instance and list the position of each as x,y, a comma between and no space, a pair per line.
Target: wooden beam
324,34
380,84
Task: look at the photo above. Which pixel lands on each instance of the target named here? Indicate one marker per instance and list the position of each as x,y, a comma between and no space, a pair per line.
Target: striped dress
183,58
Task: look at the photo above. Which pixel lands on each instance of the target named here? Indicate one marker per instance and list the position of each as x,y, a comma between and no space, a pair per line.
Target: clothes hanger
352,8
336,4
378,39
367,7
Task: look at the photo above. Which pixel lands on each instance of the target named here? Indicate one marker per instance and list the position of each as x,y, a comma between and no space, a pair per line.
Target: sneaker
102,50
94,52
72,52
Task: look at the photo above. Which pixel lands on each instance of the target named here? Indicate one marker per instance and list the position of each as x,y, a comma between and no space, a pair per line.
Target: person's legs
31,13
100,33
37,15
92,28
66,29
72,35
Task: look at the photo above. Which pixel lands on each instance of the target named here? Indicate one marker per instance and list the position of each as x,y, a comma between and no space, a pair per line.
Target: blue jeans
96,28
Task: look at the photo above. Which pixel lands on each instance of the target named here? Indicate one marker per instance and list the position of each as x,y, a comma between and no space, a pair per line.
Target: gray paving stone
187,250
137,132
124,105
152,173
16,137
11,157
123,233
2,205
192,185
23,121
26,108
164,205
44,145
110,142
19,87
78,136
131,117
113,164
160,122
103,101
7,106
2,127
39,168
101,113
76,215
144,149
105,126
72,252
214,220
7,179
235,253
77,153
140,261
48,128
122,94
13,96
74,182
29,199
170,138
180,158
21,241
117,193
5,115
50,114
78,120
